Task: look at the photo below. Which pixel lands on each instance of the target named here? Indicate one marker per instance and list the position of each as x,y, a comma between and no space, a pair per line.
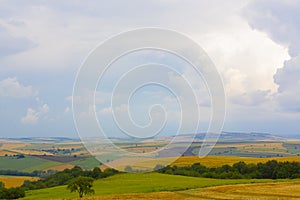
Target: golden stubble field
13,148
15,181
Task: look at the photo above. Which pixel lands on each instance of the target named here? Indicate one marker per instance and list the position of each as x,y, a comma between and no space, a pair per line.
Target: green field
139,183
265,191
27,164
86,163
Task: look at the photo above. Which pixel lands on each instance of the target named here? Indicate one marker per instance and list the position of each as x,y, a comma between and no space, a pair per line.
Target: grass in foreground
266,191
283,190
138,183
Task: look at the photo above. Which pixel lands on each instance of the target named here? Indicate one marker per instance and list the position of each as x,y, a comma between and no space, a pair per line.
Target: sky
255,46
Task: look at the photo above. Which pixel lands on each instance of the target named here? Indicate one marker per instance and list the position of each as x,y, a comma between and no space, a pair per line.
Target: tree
240,167
20,156
96,173
128,169
82,185
158,167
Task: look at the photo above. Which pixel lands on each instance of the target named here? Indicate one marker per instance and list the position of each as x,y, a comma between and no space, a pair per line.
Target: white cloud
67,110
217,26
34,115
10,87
280,20
123,108
252,98
288,80
62,34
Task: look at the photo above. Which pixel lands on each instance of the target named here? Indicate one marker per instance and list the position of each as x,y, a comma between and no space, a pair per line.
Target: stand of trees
11,193
65,176
36,173
269,170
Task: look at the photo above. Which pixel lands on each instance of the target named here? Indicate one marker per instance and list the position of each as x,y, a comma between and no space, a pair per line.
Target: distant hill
242,136
42,139
225,136
235,136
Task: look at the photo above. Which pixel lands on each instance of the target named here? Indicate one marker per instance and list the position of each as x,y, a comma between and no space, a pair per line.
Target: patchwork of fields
44,156
61,155
28,157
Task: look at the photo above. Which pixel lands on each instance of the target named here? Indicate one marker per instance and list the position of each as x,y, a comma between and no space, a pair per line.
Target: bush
12,193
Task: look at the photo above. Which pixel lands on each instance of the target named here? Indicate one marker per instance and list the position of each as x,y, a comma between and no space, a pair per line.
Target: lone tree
82,185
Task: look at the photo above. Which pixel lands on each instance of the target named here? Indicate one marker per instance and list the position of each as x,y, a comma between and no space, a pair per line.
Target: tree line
18,173
65,176
240,170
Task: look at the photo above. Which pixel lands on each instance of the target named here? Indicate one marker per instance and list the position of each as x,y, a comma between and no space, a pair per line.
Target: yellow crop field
209,161
121,163
8,153
276,145
31,152
214,161
15,181
11,146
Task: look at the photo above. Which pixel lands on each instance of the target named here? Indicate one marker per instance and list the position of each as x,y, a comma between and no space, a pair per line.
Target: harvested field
15,181
265,191
12,146
60,167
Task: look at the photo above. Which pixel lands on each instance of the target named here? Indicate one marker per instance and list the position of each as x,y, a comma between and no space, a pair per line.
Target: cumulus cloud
10,87
254,98
288,80
65,32
34,115
280,20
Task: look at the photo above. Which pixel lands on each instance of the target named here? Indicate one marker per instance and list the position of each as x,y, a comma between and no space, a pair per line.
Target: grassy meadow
140,183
